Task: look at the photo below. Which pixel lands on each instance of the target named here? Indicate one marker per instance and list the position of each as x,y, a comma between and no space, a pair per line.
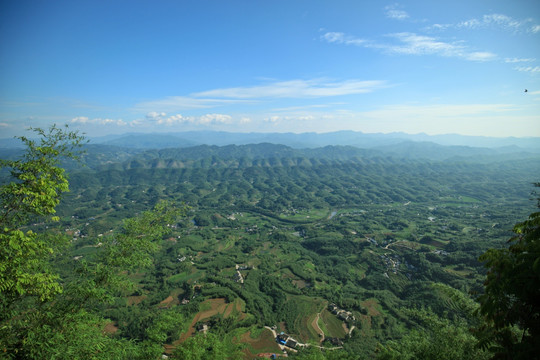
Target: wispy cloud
341,38
393,12
176,103
518,60
497,21
302,108
529,69
296,89
479,56
292,89
414,44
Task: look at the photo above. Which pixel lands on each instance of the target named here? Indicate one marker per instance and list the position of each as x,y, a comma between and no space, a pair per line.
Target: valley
273,241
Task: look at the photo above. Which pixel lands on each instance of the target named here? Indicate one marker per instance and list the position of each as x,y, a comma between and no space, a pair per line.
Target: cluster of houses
341,313
238,277
392,262
233,216
252,229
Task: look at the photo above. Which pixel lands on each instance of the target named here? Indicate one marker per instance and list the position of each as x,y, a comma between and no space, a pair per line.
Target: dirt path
315,325
274,333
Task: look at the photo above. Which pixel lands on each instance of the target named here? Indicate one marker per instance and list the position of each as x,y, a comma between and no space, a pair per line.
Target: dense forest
214,252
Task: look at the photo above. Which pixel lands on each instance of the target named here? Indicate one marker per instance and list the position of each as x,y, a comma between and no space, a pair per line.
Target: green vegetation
510,302
269,237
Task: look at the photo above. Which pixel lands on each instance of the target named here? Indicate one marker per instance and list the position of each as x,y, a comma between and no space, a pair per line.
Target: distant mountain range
342,144
298,141
307,140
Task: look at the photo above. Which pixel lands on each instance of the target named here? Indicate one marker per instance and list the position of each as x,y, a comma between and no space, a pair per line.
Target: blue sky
109,67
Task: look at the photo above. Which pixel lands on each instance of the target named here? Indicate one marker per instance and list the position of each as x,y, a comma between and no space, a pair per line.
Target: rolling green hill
334,245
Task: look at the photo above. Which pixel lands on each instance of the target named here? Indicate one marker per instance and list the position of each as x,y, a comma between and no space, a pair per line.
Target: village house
203,328
340,313
286,340
238,277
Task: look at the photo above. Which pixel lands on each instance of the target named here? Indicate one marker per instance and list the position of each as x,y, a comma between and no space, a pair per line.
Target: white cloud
439,26
393,12
503,21
341,38
289,118
296,89
499,21
174,119
207,119
176,103
472,23
215,119
292,89
5,125
306,118
517,60
414,44
273,119
97,121
153,115
529,69
80,120
480,56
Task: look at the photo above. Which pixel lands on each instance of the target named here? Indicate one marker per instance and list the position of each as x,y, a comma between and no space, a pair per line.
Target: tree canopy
510,303
43,316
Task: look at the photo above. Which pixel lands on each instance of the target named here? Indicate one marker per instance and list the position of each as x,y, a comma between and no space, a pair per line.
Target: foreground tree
208,347
41,315
434,338
511,302
38,182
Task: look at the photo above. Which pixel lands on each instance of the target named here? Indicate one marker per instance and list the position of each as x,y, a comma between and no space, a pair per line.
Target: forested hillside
353,253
